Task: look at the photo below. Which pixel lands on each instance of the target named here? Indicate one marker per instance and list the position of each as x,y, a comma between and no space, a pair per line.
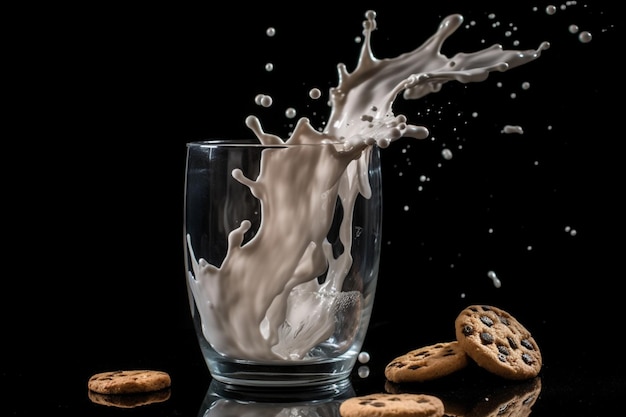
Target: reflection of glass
222,400
282,246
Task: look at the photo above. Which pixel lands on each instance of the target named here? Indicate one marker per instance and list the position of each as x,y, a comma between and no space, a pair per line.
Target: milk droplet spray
282,312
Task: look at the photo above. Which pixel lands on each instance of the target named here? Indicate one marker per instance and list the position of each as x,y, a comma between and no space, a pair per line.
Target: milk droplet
263,100
269,67
573,28
290,112
446,153
496,282
513,129
584,37
363,371
525,85
315,93
270,32
364,357
551,10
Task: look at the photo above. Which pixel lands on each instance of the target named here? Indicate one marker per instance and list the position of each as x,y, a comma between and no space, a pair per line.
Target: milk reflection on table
265,301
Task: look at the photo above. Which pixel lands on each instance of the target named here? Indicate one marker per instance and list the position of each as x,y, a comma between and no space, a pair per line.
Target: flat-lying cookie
129,382
427,363
496,341
392,405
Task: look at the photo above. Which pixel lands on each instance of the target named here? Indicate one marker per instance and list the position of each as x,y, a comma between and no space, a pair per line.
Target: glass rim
255,143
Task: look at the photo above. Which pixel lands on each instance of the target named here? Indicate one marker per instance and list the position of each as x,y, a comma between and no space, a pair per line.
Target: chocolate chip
528,360
468,330
486,321
486,338
503,350
527,344
512,343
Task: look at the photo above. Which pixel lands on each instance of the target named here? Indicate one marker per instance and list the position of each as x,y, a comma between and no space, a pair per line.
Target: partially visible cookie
427,363
497,342
130,400
129,382
392,405
454,405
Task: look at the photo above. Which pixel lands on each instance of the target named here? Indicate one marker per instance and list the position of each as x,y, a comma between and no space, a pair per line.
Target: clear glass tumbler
282,247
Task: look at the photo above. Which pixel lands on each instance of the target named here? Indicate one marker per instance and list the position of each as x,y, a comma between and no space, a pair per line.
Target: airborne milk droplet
290,113
315,93
513,129
584,37
496,281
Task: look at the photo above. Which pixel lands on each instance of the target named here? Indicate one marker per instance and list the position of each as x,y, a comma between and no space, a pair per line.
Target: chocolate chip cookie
129,382
427,363
392,405
497,342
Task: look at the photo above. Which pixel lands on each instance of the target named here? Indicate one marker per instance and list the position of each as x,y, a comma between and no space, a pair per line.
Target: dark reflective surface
573,384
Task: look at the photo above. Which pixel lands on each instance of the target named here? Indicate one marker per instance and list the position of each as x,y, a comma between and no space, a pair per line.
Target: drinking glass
282,247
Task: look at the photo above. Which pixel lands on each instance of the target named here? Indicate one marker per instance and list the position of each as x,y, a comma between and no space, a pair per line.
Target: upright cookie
392,405
426,363
497,342
129,382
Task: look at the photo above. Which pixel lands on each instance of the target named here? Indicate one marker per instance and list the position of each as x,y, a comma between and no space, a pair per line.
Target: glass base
303,374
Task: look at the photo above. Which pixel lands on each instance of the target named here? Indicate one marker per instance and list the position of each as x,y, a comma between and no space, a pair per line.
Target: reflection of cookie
514,401
129,382
392,405
453,403
496,341
426,363
130,400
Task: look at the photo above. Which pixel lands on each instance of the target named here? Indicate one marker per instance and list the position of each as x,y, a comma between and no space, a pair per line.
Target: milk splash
265,302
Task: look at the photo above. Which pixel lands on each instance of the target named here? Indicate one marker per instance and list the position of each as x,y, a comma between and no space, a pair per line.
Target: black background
107,96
